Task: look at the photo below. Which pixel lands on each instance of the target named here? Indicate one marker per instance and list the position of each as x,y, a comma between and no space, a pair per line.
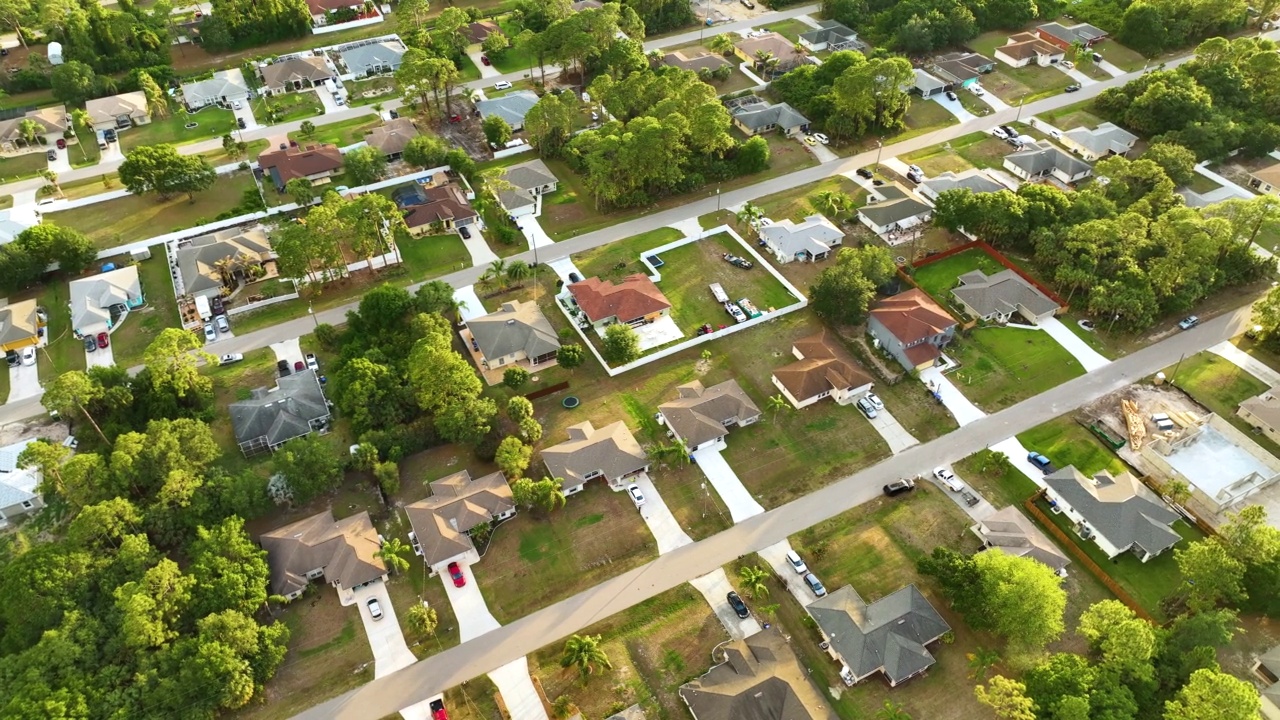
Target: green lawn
467,70
1025,84
1067,442
796,203
131,338
34,98
986,43
938,278
602,260
18,167
515,58
6,202
1002,366
132,218
220,156
1201,184
1120,56
357,88
790,29
211,122
1072,116
936,160
431,255
289,107
999,482
84,154
63,352
346,132
922,117
689,269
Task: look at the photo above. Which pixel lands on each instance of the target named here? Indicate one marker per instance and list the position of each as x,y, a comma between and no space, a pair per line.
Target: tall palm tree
392,553
762,58
422,619
749,214
777,403
584,652
498,267
378,107
753,581
831,202
980,661
80,121
721,43
518,270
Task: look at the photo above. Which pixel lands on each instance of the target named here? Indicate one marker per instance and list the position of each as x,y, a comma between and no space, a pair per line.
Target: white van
502,85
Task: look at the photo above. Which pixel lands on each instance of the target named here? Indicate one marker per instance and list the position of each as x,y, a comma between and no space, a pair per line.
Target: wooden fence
548,391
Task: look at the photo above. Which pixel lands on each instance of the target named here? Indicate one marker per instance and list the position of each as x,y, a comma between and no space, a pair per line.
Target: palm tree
30,130
771,66
392,552
753,578
749,214
831,202
1177,491
378,107
79,121
722,44
563,707
549,494
676,453
892,711
777,403
998,462
980,661
498,268
585,653
762,58
487,281
518,270
422,619
51,177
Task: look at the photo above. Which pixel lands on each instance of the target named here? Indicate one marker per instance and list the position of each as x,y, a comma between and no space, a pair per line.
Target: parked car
866,407
375,610
821,138
575,277
52,155
312,363
90,345
706,329
455,118
735,602
459,577
1189,322
1009,131
915,174
1040,461
897,487
230,358
748,4
815,585
1000,133
977,90
221,322
637,496
209,334
283,367
216,305
464,232
952,96
299,366
793,559
502,85
437,710
240,123
948,478
103,340
485,59
1067,64
875,400
29,355
865,173
1072,88
13,359
1097,57
1253,332
62,144
810,140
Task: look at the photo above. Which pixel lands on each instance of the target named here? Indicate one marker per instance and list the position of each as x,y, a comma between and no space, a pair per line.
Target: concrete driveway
24,381
892,431
776,556
113,154
390,652
563,267
964,411
954,107
481,253
823,153
486,71
1091,359
63,163
472,307
726,482
533,232
981,511
992,101
289,350
664,526
1078,76
1017,454
518,693
1245,362
326,99
102,357
1110,69
474,618
715,588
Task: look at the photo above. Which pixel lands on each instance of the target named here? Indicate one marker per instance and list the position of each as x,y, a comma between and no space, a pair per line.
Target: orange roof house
911,327
635,299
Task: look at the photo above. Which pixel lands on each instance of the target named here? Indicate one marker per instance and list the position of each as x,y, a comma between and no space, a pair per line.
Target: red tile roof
912,316
635,297
442,203
301,161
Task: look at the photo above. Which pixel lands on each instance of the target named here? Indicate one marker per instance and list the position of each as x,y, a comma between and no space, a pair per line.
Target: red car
62,144
455,118
298,366
438,711
485,59
102,340
455,572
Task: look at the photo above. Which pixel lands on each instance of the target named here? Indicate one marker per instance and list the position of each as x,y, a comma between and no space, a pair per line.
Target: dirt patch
46,428
1150,399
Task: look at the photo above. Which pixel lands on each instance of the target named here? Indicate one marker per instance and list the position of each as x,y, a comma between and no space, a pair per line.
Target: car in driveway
62,144
375,610
815,585
866,407
455,572
952,96
90,345
299,366
103,340
875,400
575,277
1000,133
948,478
793,559
221,322
977,90
739,607
810,140
312,362
865,174
52,155
209,334
1071,88
485,59
1189,322
464,232
821,138
437,710
282,366
230,358
28,356
240,123
13,358
897,487
1041,462
637,496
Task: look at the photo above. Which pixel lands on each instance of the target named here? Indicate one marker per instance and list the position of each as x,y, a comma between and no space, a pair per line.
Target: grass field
1072,116
938,278
923,116
1121,56
356,89
796,203
602,261
346,132
17,167
789,29
515,58
690,268
1067,442
290,106
211,122
1002,366
1221,385
431,255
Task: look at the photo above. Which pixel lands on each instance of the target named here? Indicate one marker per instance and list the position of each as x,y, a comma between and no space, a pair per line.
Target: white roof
92,297
223,84
815,235
16,485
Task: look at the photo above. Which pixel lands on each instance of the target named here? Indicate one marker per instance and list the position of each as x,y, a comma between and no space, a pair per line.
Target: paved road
385,696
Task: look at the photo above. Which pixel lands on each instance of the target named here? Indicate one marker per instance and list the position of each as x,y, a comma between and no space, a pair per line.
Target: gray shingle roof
198,259
760,115
1013,533
815,235
888,635
92,297
833,32
974,182
1083,32
222,84
457,505
518,326
1042,157
282,414
346,549
927,83
375,55
761,679
1001,293
1106,138
897,205
701,412
612,450
511,107
1118,508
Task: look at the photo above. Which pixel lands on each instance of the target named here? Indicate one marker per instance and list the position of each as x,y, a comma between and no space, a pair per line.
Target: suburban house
1262,412
702,416
19,326
696,63
1267,668
813,239
912,328
309,162
893,209
1117,512
100,302
973,180
997,298
1266,180
926,85
890,635
610,453
19,487
373,58
1027,48
344,551
633,301
391,137
760,679
753,115
517,334
1106,139
296,406
51,121
118,111
823,368
224,88
438,208
831,35
1012,533
221,260
529,182
321,9
769,45
1044,160
1222,465
457,504
294,73
478,31
1064,36
511,107
961,69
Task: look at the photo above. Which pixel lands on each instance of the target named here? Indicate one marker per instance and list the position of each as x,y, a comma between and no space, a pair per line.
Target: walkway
1091,359
1247,362
964,411
725,481
993,102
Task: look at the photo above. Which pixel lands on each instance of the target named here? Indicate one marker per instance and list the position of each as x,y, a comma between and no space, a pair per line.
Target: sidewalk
1246,362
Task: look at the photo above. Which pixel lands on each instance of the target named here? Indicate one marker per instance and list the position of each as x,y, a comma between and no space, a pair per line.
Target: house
511,107
1025,48
517,334
702,416
758,116
890,635
912,328
697,63
118,111
610,453
808,241
456,506
49,121
997,298
478,31
961,69
892,209
374,58
1262,412
769,45
1267,668
1012,533
760,679
294,73
973,180
1044,160
210,263
1117,512
823,368
19,487
100,302
1065,36
19,325
633,301
344,551
1221,465
224,88
528,182
314,163
392,137
432,209
322,9
1106,139
296,406
831,35
1266,180
926,85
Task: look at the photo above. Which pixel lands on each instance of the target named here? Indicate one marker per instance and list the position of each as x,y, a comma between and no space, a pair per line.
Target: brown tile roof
634,297
1269,174
778,45
611,450
300,161
478,31
320,7
700,413
826,366
392,136
1025,45
912,316
445,202
293,69
456,505
346,549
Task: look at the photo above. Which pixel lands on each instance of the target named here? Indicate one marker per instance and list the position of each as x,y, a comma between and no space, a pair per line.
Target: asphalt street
385,696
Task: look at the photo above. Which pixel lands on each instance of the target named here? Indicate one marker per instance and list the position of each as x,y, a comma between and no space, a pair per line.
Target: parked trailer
718,293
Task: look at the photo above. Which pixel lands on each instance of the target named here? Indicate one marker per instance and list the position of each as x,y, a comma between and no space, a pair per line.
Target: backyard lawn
1025,84
346,132
603,261
1001,366
132,218
131,338
938,278
1072,116
211,122
689,268
1067,442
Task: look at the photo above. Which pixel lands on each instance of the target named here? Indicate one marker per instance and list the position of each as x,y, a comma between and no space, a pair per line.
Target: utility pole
879,149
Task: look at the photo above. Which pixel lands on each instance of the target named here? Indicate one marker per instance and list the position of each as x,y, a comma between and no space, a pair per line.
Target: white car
793,559
637,497
312,363
875,401
375,610
209,334
1067,64
235,105
821,138
977,90
230,358
1000,133
502,85
28,356
948,478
